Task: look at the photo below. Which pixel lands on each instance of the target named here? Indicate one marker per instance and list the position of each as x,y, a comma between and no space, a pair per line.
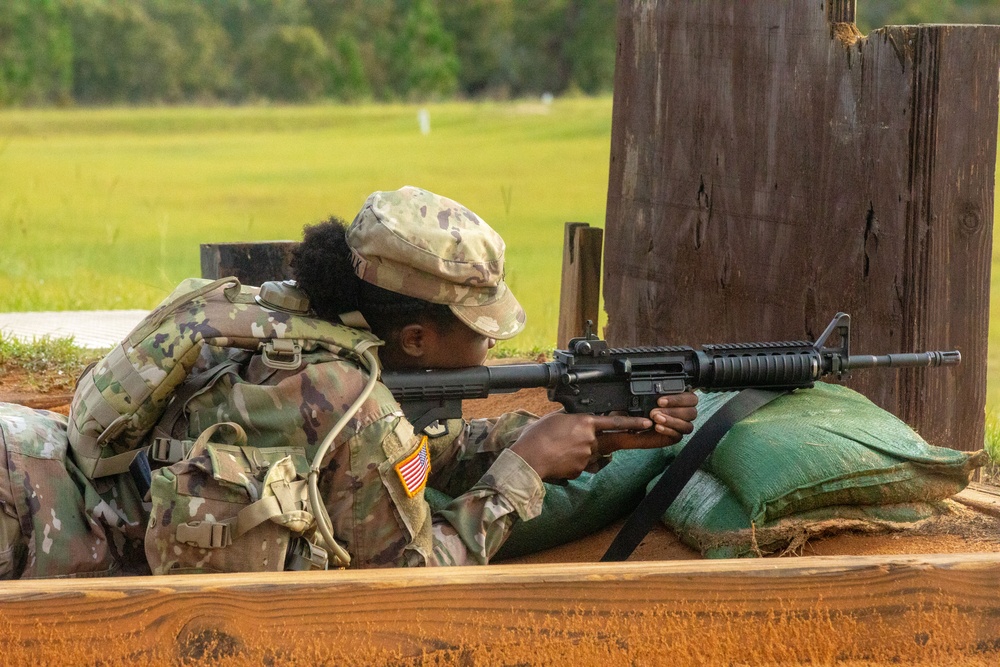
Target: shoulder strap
164,427
682,469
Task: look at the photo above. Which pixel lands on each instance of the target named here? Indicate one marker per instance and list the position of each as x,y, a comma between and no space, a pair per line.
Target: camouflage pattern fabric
228,508
373,516
119,400
472,527
429,247
57,523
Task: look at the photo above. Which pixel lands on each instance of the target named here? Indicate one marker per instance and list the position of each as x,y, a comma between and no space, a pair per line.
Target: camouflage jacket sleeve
492,488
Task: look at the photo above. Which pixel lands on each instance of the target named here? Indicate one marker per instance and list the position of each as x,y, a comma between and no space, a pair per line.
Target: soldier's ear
414,340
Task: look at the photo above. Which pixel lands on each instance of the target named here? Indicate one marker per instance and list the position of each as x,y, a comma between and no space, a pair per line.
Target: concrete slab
88,328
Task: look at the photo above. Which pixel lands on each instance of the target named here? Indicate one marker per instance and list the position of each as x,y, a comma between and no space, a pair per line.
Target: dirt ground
51,390
964,530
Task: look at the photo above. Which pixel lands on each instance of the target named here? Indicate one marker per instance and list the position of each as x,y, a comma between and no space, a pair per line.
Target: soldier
426,274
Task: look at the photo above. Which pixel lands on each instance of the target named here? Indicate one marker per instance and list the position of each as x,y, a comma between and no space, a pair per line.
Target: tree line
876,13
172,51
97,52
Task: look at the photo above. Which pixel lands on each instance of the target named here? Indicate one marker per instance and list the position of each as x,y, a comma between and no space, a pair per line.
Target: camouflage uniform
425,246
378,522
53,520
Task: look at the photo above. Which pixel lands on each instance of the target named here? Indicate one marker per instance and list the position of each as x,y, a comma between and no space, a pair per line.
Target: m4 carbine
590,377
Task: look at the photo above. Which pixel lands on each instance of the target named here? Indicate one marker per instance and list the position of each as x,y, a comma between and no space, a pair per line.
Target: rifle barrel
916,359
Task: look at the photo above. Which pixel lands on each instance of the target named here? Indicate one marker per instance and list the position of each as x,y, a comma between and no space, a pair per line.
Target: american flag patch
413,470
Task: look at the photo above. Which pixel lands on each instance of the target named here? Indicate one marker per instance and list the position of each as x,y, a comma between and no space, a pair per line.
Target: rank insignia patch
413,470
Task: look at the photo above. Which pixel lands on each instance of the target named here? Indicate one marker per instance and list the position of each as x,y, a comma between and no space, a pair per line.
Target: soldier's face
458,347
428,345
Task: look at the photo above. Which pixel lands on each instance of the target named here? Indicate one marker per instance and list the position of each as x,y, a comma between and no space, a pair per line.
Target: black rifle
590,377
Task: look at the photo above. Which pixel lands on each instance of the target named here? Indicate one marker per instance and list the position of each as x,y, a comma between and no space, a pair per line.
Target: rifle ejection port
658,386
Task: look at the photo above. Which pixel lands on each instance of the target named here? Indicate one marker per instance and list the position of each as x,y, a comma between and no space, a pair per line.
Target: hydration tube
340,555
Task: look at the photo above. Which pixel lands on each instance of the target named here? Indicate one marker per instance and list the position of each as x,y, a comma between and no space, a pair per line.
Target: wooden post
251,262
580,296
771,166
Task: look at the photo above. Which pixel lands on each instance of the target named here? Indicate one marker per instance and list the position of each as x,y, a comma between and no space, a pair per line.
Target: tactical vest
119,400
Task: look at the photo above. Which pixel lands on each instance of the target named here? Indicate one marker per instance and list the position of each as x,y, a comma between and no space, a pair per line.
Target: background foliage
99,52
875,13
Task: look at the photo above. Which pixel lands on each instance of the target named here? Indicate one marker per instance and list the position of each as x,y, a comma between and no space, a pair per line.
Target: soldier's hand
672,420
561,446
674,415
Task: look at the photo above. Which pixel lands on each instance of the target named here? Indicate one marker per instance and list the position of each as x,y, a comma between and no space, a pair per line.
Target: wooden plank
580,295
981,497
252,263
833,609
770,166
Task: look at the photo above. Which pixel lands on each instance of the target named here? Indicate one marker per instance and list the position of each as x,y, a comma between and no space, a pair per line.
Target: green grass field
107,208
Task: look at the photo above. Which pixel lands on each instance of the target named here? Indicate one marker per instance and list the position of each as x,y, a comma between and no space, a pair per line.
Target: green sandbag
708,518
809,457
584,505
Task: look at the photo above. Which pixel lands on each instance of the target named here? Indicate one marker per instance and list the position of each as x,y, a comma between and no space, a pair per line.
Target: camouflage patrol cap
420,244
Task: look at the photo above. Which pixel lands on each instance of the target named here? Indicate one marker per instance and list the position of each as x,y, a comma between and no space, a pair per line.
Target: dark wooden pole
252,262
580,296
770,166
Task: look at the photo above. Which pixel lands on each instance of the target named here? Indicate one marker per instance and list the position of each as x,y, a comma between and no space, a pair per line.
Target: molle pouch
47,528
232,508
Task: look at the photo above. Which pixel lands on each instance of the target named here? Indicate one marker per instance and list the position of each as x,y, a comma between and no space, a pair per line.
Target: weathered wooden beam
841,11
253,262
778,611
580,295
981,497
771,166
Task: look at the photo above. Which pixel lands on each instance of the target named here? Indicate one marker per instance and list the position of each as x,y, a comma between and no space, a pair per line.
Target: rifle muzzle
906,360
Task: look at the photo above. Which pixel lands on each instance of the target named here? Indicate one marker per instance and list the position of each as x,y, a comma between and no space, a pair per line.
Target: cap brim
501,319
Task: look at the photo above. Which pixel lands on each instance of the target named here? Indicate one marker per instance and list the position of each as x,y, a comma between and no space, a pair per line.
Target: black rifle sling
682,469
